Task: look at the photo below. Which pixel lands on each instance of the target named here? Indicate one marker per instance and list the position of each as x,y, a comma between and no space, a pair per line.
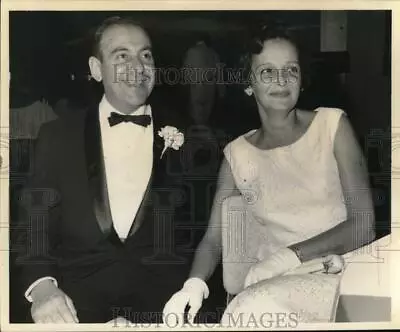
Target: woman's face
276,76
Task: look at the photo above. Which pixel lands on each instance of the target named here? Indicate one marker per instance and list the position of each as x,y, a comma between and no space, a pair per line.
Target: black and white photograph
174,168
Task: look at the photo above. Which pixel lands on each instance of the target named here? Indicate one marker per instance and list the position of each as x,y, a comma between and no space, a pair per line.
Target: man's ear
95,68
248,91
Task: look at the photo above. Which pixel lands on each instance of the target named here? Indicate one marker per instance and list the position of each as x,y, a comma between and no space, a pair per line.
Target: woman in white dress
302,176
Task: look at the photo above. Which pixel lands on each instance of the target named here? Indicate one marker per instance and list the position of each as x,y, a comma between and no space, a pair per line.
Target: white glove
282,261
193,292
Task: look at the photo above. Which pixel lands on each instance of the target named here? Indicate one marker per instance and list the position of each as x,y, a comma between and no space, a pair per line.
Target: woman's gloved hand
282,261
193,292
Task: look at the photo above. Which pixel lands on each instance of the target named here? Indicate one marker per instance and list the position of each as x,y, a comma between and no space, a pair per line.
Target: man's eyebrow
118,49
121,49
146,48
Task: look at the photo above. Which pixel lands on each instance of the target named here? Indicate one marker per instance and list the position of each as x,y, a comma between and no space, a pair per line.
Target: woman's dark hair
255,42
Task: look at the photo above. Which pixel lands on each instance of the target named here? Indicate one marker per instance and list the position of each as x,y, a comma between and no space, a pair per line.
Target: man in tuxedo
99,234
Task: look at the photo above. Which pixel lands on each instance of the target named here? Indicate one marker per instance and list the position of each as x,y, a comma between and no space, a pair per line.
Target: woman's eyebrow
264,64
275,65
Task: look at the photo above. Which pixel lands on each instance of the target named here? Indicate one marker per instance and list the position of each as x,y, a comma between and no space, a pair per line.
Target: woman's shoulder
330,111
325,120
239,143
319,110
322,115
247,136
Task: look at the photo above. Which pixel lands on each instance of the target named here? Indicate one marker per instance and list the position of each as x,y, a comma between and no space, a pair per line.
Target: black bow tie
142,120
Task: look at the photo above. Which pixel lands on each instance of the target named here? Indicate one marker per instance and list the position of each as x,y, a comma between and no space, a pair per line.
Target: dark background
47,47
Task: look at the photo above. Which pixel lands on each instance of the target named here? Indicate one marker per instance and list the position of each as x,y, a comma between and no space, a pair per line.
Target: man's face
126,67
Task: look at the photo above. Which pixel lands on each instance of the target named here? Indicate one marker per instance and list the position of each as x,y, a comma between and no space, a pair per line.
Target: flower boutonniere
173,138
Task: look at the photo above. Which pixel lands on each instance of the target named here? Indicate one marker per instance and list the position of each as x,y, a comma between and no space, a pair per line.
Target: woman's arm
208,253
359,228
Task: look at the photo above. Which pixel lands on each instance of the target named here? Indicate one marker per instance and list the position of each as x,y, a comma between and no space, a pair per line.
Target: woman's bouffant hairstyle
254,45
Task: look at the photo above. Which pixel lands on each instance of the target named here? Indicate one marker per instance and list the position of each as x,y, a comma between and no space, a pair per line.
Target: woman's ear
95,68
248,91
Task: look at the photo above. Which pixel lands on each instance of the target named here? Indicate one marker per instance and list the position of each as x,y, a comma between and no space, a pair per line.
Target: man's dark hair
107,23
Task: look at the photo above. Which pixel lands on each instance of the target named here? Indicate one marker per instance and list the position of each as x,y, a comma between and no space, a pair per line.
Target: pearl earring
248,91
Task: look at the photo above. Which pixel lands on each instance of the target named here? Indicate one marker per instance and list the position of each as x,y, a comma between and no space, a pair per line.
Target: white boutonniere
173,138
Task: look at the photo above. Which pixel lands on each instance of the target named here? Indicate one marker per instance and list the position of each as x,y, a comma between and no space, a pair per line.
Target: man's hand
282,261
192,293
120,322
51,305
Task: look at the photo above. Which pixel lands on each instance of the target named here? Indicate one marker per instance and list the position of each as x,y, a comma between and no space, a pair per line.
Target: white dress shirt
128,160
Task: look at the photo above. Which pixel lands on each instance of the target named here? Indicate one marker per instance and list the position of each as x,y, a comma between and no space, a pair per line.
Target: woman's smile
280,94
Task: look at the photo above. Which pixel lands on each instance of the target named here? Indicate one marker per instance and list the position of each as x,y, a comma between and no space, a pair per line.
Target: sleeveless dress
288,194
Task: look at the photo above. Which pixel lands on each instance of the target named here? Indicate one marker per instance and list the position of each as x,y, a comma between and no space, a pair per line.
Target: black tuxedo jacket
71,236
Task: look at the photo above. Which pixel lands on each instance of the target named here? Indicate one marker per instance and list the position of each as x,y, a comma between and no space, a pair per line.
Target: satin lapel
158,143
95,171
97,177
146,206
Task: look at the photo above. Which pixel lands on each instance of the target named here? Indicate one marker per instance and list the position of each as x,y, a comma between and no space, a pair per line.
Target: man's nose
136,64
136,69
